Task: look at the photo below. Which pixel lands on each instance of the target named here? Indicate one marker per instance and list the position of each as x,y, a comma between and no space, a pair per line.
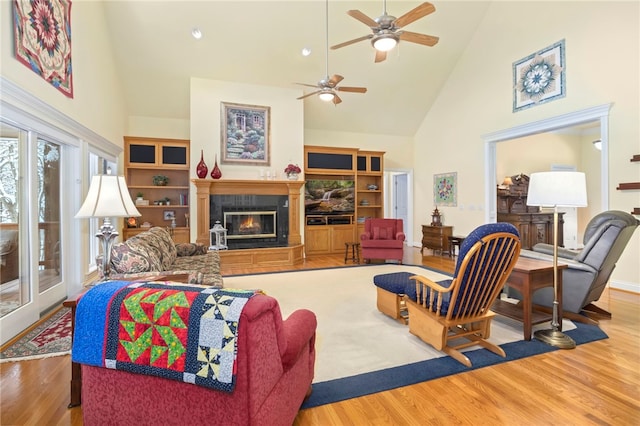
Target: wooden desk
528,276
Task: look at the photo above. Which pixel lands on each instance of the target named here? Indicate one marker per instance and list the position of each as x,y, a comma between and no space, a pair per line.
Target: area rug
360,351
52,337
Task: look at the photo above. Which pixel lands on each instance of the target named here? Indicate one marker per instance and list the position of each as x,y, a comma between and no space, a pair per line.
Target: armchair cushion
383,233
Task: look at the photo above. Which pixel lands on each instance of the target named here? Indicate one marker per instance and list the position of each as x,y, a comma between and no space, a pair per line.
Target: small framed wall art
540,77
245,134
445,189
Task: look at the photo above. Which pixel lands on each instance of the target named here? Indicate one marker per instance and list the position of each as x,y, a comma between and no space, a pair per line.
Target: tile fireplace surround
290,255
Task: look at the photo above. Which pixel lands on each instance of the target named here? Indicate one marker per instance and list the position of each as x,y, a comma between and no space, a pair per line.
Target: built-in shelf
631,185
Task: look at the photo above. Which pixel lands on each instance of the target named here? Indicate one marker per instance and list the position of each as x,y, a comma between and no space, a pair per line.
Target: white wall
602,57
98,101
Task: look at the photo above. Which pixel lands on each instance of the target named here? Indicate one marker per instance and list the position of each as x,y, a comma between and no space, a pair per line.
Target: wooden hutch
533,225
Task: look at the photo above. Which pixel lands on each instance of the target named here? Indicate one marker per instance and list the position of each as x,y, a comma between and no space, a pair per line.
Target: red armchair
275,369
382,239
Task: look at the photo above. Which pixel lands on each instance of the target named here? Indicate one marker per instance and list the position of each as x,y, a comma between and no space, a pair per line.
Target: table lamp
108,197
556,189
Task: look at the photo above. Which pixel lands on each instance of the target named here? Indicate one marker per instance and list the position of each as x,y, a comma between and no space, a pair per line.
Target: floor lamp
108,197
556,189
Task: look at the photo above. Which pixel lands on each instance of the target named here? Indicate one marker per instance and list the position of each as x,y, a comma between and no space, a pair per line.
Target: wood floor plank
595,384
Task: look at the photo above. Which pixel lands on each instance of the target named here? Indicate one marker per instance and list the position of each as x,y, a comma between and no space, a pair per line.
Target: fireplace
252,221
288,254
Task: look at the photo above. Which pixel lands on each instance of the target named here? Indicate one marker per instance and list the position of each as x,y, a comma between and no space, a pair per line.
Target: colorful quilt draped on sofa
180,332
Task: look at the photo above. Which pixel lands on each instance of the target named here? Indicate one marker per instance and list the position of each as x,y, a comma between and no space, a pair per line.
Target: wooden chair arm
435,286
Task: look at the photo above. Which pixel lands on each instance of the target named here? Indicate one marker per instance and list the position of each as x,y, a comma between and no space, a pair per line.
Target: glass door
49,241
31,194
14,289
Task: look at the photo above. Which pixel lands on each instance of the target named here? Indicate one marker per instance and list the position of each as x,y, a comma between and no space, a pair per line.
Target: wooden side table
528,276
76,371
436,238
455,241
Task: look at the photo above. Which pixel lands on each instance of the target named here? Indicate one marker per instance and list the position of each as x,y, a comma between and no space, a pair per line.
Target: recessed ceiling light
196,33
306,51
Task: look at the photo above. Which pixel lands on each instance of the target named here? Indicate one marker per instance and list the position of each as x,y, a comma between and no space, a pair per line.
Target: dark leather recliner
590,268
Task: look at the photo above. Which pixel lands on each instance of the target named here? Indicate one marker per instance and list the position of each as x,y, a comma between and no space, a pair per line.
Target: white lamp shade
557,189
108,196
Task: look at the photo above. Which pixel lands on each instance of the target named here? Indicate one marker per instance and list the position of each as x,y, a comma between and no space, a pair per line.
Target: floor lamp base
555,338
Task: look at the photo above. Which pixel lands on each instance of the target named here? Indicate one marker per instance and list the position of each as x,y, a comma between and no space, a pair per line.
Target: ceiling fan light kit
387,29
384,43
326,96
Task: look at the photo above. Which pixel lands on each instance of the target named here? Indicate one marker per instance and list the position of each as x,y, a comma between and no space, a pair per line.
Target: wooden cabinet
327,234
436,238
149,157
534,228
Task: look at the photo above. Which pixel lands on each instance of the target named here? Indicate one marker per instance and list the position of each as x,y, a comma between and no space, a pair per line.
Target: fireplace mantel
281,255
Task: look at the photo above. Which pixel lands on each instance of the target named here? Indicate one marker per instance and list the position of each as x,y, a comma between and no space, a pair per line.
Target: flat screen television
329,196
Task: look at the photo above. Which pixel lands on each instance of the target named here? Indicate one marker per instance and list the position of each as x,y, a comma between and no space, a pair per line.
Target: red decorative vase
202,169
216,173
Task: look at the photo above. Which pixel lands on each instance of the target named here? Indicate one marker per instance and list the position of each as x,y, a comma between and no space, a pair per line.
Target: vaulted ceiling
260,42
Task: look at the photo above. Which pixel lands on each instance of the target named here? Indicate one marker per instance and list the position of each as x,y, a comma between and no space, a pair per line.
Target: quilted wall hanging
42,31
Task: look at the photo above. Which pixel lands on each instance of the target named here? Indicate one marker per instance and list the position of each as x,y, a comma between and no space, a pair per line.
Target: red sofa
382,239
275,361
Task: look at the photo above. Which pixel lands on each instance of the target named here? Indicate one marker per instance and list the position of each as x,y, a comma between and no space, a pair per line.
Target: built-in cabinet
327,232
157,201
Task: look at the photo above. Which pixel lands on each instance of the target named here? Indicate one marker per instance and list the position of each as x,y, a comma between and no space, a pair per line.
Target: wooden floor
595,384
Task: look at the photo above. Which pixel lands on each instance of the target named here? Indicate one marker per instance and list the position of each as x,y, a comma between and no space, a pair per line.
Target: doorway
398,190
598,114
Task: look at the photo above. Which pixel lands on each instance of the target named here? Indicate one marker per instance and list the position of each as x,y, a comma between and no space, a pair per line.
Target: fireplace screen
250,224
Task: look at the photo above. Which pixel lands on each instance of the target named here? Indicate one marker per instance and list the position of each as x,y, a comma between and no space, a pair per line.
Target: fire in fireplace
250,224
251,221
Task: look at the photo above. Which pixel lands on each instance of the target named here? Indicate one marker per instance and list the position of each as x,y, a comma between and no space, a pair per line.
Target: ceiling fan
328,86
387,29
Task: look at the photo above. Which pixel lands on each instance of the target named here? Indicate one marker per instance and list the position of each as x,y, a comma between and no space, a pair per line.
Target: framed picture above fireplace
245,134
